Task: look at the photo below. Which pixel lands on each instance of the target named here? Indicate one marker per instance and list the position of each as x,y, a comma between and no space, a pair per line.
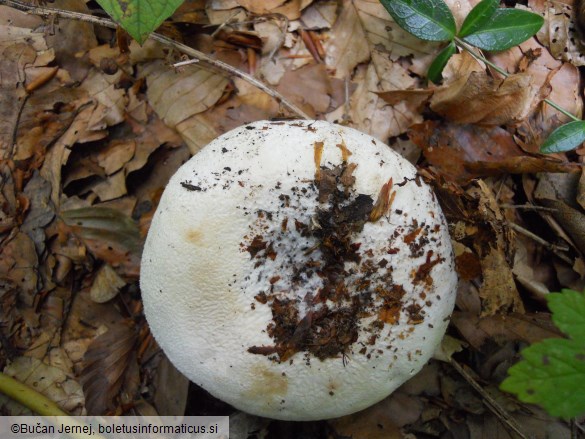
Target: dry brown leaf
559,33
110,188
106,362
416,98
109,235
177,96
19,266
498,290
382,420
385,35
170,389
115,156
521,165
320,15
52,382
559,192
106,284
309,87
40,212
347,45
112,99
19,48
530,328
67,50
289,8
452,147
530,270
481,99
370,113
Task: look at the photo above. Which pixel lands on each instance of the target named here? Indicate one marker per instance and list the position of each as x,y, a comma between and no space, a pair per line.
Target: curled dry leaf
106,284
109,235
369,112
289,8
569,215
40,212
347,45
320,15
529,327
560,33
382,420
19,266
309,87
19,48
178,96
480,99
106,363
451,147
478,224
52,382
498,290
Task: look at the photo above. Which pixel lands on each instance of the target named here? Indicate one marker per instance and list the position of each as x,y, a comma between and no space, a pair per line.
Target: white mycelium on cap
298,270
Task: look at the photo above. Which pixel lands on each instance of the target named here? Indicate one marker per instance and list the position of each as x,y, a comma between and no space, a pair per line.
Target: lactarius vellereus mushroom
298,270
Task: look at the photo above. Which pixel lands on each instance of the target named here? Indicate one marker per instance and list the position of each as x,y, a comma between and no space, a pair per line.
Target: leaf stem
29,397
467,47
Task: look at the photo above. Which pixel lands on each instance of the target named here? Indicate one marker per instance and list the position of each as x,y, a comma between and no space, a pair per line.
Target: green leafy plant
139,17
552,372
487,27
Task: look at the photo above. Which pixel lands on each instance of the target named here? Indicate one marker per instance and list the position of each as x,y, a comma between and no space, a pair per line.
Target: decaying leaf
347,46
178,96
52,382
106,364
289,8
558,192
382,420
106,285
109,235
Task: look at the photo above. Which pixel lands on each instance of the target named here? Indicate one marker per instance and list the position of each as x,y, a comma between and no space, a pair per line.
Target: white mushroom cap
298,270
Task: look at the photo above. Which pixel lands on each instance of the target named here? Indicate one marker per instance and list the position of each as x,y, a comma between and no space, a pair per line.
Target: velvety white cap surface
298,270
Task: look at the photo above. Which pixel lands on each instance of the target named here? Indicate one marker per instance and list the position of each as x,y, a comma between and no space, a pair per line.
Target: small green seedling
487,27
552,372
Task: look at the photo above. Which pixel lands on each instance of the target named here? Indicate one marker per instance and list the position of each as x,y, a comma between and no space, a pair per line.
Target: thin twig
489,400
556,249
528,207
105,22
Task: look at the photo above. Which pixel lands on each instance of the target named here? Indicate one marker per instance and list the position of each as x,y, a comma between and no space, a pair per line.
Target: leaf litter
91,133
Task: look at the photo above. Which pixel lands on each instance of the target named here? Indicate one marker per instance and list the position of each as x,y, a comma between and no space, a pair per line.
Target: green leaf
425,19
552,372
565,138
504,29
478,17
568,310
439,63
139,17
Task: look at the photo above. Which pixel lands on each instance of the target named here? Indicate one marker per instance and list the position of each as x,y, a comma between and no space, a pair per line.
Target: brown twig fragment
489,400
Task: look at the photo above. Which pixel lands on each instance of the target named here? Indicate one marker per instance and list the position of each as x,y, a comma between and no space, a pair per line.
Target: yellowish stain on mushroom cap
266,384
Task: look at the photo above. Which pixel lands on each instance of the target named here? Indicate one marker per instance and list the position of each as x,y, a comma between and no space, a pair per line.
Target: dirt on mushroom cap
326,272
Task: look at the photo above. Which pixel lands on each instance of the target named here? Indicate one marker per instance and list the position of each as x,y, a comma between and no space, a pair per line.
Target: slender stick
465,46
61,13
489,400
